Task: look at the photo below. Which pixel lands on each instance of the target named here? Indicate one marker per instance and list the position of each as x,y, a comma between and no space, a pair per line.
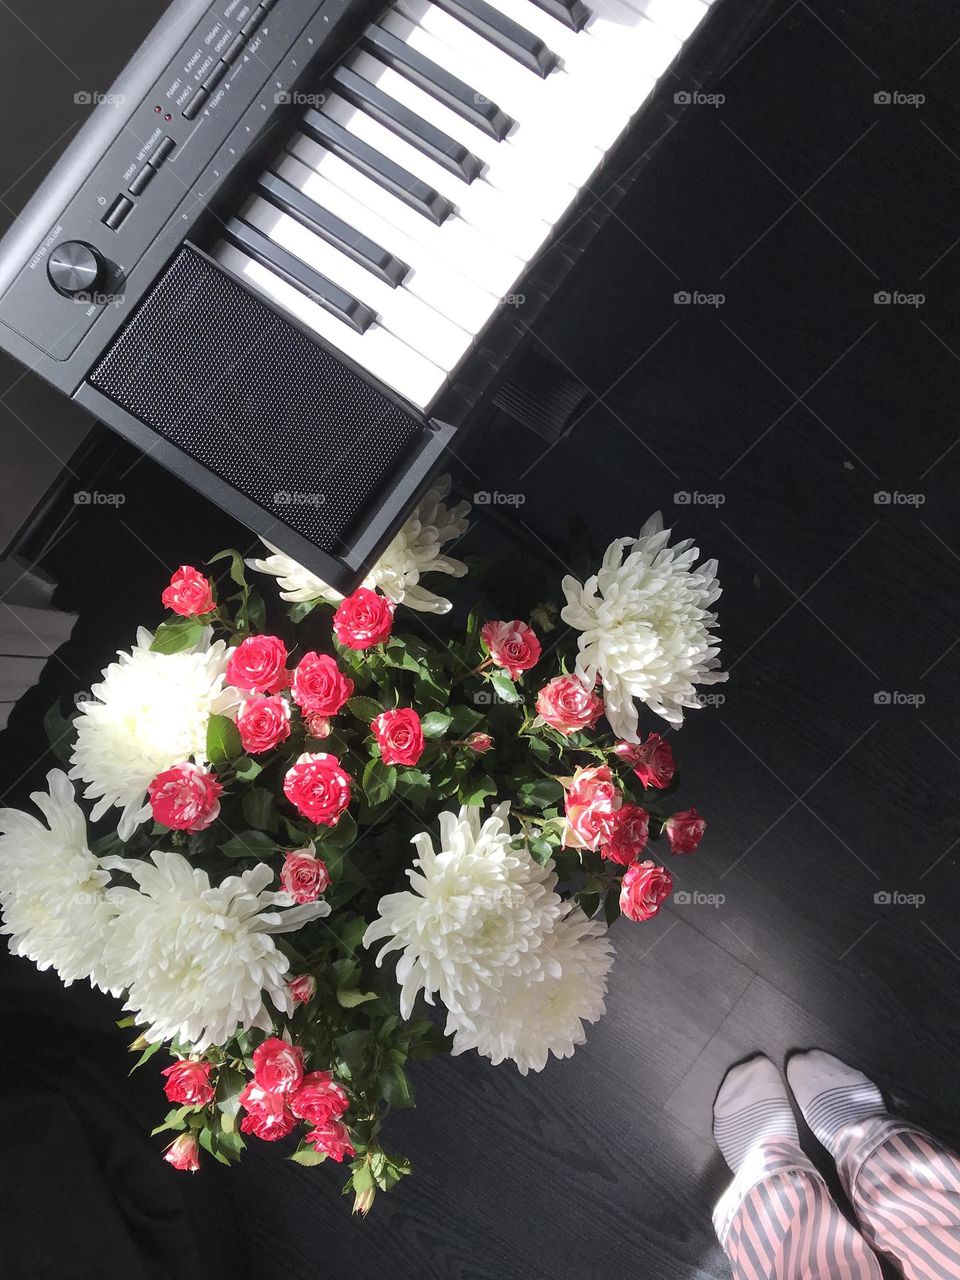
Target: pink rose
332,1139
268,1116
264,722
189,593
363,619
319,1099
183,1153
685,831
318,787
567,706
319,686
512,645
278,1066
399,736
304,876
318,726
257,664
188,1083
185,798
303,987
652,761
643,890
592,799
479,742
628,835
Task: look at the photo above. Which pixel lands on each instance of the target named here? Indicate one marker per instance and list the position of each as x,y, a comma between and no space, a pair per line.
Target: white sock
831,1095
751,1110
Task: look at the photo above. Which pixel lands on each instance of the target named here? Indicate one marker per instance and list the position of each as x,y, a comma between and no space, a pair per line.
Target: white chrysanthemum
416,550
646,627
197,959
151,713
525,1020
478,912
52,888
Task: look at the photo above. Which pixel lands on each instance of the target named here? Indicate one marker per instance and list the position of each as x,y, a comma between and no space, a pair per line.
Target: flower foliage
306,831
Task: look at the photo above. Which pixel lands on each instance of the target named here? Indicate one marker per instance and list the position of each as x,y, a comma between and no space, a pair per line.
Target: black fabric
212,368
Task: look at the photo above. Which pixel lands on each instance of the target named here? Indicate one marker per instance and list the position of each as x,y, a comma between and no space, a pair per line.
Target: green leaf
256,611
541,849
396,1088
237,569
539,749
350,997
258,808
174,637
504,687
223,740
588,903
464,720
414,785
302,609
230,1084
147,1054
611,904
308,1156
476,789
353,1049
435,724
340,836
364,709
60,732
249,844
540,794
379,781
247,769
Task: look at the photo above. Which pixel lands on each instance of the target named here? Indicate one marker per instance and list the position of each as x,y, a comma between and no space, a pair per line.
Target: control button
252,23
142,180
116,215
266,5
234,49
160,152
75,268
215,76
196,102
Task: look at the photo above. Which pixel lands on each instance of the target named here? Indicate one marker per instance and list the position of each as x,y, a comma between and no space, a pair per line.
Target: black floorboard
783,412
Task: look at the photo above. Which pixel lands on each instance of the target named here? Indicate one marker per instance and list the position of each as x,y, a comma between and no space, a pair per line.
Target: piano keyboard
444,152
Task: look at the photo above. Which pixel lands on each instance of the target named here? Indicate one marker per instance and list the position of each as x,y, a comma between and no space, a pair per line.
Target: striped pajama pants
778,1221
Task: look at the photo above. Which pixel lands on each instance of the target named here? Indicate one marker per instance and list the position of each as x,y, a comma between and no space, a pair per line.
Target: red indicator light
168,116
158,110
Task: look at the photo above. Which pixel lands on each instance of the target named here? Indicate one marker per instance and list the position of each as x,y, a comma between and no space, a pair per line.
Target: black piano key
392,177
334,230
427,75
508,36
572,13
289,267
406,124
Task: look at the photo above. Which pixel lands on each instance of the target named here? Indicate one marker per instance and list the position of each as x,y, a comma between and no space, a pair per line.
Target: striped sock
752,1109
831,1095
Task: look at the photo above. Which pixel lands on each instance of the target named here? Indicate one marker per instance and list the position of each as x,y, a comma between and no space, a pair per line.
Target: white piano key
515,164
680,17
465,302
454,240
483,206
653,47
555,110
377,350
404,314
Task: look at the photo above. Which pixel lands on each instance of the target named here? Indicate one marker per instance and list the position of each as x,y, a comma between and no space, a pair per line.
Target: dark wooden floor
830,774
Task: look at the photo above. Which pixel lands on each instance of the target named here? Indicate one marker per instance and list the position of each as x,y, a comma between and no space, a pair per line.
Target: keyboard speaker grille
212,369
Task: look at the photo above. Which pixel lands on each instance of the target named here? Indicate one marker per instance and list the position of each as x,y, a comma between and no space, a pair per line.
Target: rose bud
318,726
479,742
643,890
303,987
189,593
278,1066
183,1153
652,761
185,798
304,876
188,1083
685,831
512,645
263,722
363,619
399,736
258,664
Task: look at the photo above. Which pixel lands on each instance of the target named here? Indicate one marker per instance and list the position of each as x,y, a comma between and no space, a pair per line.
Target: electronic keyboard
301,245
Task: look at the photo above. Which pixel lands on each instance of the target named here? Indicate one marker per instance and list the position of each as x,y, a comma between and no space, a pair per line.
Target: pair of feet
752,1108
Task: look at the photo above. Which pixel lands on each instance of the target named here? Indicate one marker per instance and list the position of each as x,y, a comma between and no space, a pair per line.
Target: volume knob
75,268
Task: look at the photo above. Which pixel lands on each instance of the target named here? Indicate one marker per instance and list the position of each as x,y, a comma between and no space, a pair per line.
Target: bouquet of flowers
278,811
